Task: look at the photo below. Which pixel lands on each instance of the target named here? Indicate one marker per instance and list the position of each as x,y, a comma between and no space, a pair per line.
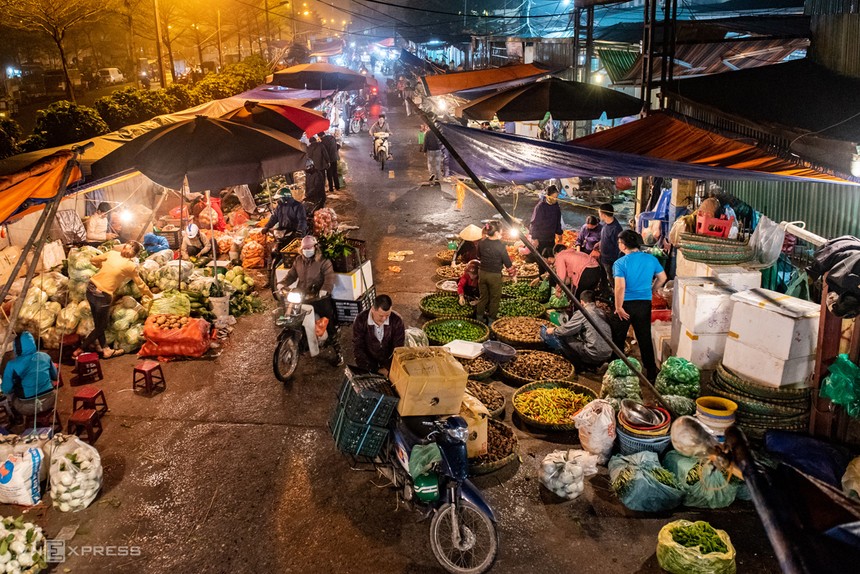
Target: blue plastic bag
633,480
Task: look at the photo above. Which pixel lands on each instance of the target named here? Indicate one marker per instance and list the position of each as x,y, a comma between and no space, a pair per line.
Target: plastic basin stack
773,337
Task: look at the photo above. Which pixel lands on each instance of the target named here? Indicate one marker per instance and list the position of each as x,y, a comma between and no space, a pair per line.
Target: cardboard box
737,277
707,309
350,286
705,350
477,417
429,380
8,258
762,367
784,326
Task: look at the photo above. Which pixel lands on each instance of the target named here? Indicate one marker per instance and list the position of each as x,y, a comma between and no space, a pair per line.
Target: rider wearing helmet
290,215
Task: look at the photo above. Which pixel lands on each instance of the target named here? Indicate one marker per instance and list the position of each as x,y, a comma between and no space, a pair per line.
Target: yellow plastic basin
716,406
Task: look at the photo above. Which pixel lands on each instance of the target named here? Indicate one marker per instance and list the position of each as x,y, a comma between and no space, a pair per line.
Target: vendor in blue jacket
546,221
154,243
29,377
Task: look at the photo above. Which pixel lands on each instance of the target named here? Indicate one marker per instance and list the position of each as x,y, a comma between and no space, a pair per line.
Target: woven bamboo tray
477,468
497,413
484,329
448,272
445,256
456,310
520,344
518,380
484,375
441,290
550,384
744,387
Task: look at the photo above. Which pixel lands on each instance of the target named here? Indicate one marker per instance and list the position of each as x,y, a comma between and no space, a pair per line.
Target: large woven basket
497,413
518,380
550,384
466,310
448,272
536,308
484,375
450,289
519,344
445,257
484,329
477,468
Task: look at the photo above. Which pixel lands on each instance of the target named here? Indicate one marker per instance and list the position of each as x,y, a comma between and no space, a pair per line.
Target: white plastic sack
596,425
416,337
851,479
19,478
766,241
76,473
563,472
20,445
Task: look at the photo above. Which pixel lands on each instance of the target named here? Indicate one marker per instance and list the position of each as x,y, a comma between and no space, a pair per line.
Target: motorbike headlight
294,297
459,433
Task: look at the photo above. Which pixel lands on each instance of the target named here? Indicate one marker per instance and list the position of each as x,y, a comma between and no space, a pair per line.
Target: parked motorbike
463,533
381,148
292,339
358,122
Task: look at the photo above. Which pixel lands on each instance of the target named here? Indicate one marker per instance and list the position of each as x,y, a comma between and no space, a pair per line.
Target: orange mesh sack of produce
253,256
174,336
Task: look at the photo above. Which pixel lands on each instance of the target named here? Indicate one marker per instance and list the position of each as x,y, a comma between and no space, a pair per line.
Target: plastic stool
44,420
88,369
90,397
85,420
149,376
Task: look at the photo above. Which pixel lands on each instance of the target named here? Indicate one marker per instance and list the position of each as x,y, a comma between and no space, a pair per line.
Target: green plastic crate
356,438
368,399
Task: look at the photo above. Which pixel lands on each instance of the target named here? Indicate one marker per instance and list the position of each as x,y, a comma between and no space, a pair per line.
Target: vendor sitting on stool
578,340
99,228
467,286
28,378
375,334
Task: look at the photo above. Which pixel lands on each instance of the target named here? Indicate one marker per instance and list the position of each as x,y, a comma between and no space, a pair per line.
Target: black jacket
330,144
319,155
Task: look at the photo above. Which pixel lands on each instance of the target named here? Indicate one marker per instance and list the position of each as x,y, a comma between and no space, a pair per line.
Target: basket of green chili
551,405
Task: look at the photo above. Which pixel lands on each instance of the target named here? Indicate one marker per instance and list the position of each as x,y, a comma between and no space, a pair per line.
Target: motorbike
381,148
292,339
463,533
358,122
281,241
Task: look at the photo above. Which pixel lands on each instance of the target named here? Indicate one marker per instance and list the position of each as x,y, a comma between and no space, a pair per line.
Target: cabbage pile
80,271
171,303
125,330
54,284
38,314
241,282
167,278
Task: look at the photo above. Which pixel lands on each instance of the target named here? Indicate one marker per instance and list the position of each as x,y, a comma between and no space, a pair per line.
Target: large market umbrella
292,120
319,77
563,99
206,153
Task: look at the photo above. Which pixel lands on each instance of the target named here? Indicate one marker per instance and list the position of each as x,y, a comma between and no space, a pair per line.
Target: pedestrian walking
433,149
329,142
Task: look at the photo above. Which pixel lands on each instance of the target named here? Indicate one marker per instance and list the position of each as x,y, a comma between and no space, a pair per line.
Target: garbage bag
766,241
851,479
596,425
704,485
618,368
679,559
842,385
416,337
642,484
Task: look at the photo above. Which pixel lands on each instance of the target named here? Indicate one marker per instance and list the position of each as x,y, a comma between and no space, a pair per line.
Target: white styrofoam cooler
704,350
349,286
762,367
679,287
686,268
707,309
783,326
734,276
464,349
661,331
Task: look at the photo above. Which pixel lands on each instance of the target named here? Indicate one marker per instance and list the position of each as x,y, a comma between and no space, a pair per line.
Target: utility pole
268,32
161,77
220,50
293,8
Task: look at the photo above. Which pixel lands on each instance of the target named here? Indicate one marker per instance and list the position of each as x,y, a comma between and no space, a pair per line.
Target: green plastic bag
842,385
678,559
423,457
704,485
634,482
681,370
617,368
620,387
666,385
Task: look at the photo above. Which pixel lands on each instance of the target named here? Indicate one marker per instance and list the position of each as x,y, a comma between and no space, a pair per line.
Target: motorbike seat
414,431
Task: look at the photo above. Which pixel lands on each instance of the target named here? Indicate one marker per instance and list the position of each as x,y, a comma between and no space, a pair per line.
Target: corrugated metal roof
828,210
832,7
700,31
617,62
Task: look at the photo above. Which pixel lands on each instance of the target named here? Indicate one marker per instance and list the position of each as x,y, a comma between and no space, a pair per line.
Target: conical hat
471,233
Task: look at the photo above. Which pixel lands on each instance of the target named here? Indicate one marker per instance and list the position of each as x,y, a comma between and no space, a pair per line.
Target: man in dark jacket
433,149
290,215
330,144
546,221
375,334
579,340
608,246
315,177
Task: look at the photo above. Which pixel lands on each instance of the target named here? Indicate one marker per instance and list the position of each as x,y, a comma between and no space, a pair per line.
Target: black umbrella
319,77
564,100
207,153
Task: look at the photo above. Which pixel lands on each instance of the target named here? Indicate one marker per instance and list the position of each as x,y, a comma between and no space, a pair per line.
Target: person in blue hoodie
28,378
154,243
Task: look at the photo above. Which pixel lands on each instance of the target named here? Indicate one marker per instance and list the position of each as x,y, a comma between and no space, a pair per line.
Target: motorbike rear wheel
354,126
286,358
478,539
380,157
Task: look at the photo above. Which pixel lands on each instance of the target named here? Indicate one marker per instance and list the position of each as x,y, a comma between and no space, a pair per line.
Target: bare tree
53,19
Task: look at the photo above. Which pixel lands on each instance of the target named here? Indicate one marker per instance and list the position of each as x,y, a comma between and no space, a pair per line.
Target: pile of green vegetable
524,289
685,547
125,330
678,382
443,331
619,383
245,304
521,307
439,305
699,534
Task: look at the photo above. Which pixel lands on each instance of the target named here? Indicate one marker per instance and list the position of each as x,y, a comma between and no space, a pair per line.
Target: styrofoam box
784,326
679,287
686,268
464,349
661,331
762,367
349,286
704,350
737,277
707,309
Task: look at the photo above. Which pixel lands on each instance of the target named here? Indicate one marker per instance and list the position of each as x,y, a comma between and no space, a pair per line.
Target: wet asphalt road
231,471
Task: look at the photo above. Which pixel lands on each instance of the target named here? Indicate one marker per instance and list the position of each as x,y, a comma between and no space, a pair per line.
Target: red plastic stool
149,376
44,420
88,369
85,420
90,397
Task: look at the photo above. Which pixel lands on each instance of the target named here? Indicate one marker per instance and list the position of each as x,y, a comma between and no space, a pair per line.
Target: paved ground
230,471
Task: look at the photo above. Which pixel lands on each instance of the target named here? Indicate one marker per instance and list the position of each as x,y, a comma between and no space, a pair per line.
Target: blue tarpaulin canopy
505,158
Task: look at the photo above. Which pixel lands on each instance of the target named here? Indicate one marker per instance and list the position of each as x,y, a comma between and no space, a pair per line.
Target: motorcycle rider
381,126
314,276
290,216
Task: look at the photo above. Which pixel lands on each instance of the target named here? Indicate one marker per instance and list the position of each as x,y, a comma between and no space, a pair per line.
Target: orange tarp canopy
662,136
449,83
38,181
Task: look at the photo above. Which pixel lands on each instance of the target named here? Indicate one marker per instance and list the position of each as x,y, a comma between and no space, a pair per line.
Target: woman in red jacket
467,286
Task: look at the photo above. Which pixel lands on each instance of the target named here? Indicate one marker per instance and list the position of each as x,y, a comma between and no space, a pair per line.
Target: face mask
308,252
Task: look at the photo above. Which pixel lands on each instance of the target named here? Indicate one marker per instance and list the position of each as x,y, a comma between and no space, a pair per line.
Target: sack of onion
76,473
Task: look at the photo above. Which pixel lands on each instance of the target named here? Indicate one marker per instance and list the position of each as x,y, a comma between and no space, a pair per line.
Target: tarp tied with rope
657,145
29,189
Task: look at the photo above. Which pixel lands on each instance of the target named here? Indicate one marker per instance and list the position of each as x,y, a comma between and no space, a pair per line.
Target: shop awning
327,49
505,158
27,190
466,81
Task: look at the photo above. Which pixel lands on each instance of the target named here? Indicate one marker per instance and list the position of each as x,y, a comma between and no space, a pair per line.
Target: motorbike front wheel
473,549
354,126
380,157
286,358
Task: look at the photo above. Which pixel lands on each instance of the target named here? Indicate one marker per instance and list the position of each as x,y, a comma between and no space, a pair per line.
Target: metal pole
162,78
220,47
268,32
542,263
